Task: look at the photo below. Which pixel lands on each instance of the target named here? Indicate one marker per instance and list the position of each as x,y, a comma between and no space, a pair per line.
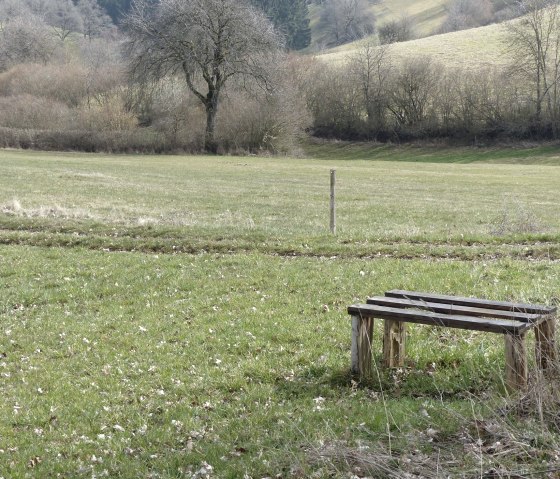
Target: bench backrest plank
453,309
473,302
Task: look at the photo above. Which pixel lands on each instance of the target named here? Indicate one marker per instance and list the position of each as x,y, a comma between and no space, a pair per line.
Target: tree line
372,97
215,75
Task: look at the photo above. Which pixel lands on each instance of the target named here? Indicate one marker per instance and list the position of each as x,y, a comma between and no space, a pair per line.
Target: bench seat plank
453,309
473,302
435,319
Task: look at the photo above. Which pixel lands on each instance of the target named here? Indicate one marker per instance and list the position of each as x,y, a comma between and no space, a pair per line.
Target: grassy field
473,48
186,316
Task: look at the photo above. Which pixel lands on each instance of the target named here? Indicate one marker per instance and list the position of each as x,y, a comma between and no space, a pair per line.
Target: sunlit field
173,316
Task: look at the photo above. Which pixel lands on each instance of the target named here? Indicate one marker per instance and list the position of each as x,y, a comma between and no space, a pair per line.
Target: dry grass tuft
374,461
541,403
518,440
14,208
516,218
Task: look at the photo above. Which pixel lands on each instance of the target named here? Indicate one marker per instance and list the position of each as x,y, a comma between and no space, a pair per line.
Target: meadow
177,316
475,48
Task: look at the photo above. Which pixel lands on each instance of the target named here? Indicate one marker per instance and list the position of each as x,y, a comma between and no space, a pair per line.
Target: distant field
179,316
473,48
419,193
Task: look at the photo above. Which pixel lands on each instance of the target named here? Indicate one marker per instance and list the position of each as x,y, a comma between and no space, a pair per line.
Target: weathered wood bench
397,308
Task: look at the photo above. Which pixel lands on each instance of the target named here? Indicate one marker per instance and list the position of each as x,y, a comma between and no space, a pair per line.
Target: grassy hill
475,47
427,15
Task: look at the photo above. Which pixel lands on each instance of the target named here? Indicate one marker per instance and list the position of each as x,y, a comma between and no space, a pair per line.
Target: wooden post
545,345
333,204
394,340
516,362
362,333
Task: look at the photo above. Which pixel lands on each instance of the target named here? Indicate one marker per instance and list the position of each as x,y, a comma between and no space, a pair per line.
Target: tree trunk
211,104
209,141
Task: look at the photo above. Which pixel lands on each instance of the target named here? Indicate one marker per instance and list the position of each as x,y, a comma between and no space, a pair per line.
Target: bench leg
362,333
516,362
394,338
545,347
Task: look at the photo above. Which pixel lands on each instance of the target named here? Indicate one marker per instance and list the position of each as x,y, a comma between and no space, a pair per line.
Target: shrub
107,114
270,123
140,140
396,31
31,112
71,84
463,14
25,39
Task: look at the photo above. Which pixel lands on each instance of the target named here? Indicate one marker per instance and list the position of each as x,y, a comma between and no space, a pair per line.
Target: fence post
333,204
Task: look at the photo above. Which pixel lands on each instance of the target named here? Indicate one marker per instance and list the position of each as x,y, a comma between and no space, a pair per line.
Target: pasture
475,48
179,316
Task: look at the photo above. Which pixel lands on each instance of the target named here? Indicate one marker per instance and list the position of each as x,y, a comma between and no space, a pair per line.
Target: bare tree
463,14
10,10
64,16
95,20
371,69
24,39
534,44
412,90
207,42
346,20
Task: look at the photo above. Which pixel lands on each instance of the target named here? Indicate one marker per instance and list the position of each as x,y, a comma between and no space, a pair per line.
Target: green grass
281,204
136,364
160,313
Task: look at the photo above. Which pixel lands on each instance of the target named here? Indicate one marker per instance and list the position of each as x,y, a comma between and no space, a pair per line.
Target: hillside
475,47
426,15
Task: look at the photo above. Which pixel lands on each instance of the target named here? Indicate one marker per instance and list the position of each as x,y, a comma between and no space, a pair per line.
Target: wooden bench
397,308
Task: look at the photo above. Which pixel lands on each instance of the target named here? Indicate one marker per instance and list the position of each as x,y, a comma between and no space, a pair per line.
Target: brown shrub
31,112
71,83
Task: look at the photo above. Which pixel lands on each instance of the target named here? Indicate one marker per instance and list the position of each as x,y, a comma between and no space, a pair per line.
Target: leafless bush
107,115
394,31
346,21
72,84
142,140
273,120
27,111
64,84
464,14
515,217
25,39
371,69
173,111
412,92
271,123
334,101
